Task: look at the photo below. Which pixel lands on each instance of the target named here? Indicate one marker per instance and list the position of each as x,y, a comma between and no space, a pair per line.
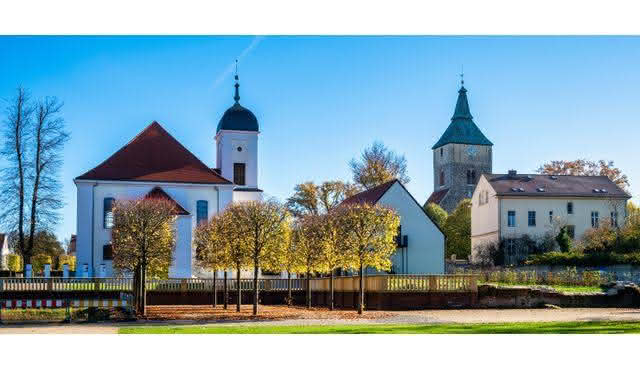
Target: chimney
512,173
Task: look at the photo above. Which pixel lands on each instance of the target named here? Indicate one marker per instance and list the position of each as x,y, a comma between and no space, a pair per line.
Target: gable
399,198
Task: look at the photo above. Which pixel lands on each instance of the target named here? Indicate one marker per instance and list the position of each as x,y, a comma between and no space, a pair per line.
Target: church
460,157
155,164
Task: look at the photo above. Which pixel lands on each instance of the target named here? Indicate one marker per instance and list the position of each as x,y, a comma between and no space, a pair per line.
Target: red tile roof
158,193
154,156
370,196
437,196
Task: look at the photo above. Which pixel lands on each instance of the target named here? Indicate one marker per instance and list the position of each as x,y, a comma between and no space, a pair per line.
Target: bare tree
16,128
49,137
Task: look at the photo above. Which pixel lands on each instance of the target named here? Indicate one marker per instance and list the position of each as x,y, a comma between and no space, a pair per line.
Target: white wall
4,251
425,253
581,217
184,194
484,216
227,143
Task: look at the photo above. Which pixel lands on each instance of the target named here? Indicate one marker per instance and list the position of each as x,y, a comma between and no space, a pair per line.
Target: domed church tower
460,156
237,149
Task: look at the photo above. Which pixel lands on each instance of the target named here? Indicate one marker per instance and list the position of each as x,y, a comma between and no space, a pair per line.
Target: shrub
67,259
585,260
563,240
592,278
14,263
38,262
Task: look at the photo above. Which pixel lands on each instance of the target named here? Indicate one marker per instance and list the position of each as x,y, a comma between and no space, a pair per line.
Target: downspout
93,216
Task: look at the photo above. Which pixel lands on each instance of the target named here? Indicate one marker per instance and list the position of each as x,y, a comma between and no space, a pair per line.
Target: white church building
154,164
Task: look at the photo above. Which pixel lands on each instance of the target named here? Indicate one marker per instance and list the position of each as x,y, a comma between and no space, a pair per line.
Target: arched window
471,177
108,212
442,178
202,211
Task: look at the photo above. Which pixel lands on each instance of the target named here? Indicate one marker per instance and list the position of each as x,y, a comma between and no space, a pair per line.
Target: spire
237,85
462,105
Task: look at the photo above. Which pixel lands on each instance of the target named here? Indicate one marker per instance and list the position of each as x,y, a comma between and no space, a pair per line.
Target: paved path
409,317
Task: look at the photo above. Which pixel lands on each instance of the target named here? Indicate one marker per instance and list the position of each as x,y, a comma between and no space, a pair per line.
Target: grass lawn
567,327
559,288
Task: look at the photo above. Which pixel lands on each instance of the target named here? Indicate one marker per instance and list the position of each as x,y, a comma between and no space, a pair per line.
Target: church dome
238,118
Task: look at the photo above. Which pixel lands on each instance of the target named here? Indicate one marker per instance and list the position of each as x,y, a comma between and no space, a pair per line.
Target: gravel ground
409,317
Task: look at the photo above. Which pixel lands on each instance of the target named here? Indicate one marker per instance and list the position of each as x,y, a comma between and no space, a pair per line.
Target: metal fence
373,283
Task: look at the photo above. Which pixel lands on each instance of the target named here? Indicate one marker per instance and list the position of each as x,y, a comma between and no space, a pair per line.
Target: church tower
460,156
237,149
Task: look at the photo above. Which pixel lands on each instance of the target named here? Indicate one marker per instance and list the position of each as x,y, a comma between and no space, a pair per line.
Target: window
511,218
551,216
442,178
238,173
595,219
532,219
202,211
569,208
441,152
108,212
614,219
107,252
571,231
471,177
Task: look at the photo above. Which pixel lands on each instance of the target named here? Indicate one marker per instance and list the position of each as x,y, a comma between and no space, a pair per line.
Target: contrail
229,69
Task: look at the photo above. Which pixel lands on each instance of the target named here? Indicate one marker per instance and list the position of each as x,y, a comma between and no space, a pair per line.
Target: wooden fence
373,283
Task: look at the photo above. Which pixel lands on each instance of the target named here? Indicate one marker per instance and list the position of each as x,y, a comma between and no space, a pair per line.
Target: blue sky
321,100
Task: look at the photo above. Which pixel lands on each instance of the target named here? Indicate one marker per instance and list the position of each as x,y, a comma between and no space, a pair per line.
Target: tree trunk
288,288
135,290
309,290
256,290
239,288
36,187
144,290
215,291
361,298
225,291
331,290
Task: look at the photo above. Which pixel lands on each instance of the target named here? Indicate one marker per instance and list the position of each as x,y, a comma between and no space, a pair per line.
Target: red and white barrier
49,303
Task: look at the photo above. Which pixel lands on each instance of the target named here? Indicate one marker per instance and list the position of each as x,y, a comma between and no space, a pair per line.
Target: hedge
67,259
14,263
583,260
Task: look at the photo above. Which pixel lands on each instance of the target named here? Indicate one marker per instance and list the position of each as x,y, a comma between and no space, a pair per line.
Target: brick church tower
460,156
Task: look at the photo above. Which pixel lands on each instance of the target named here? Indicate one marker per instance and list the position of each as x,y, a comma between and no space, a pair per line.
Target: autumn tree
309,253
212,251
309,198
436,213
263,230
378,165
457,229
369,239
14,175
143,240
583,167
330,234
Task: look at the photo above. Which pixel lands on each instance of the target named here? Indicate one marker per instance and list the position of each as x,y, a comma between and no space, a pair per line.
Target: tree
563,240
309,198
378,165
308,252
49,137
369,240
45,243
239,252
14,176
262,228
212,251
143,240
329,234
457,229
290,261
436,213
585,167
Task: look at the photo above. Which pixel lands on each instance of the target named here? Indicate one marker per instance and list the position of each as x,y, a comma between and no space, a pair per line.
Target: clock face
472,151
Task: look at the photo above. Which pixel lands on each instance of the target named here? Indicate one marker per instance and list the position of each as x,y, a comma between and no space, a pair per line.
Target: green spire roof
462,130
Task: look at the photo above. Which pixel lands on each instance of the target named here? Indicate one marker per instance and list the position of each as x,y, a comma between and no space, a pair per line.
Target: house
154,164
460,156
4,250
420,241
506,207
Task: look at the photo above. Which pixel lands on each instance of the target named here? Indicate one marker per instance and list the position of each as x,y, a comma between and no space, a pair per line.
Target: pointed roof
462,129
158,193
370,196
154,156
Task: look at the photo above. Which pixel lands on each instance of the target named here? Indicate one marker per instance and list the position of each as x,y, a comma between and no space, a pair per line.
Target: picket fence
373,283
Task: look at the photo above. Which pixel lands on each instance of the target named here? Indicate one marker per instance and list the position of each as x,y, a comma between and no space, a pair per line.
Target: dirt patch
265,313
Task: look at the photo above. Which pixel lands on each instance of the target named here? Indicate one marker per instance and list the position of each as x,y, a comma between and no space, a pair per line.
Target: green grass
559,288
510,328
